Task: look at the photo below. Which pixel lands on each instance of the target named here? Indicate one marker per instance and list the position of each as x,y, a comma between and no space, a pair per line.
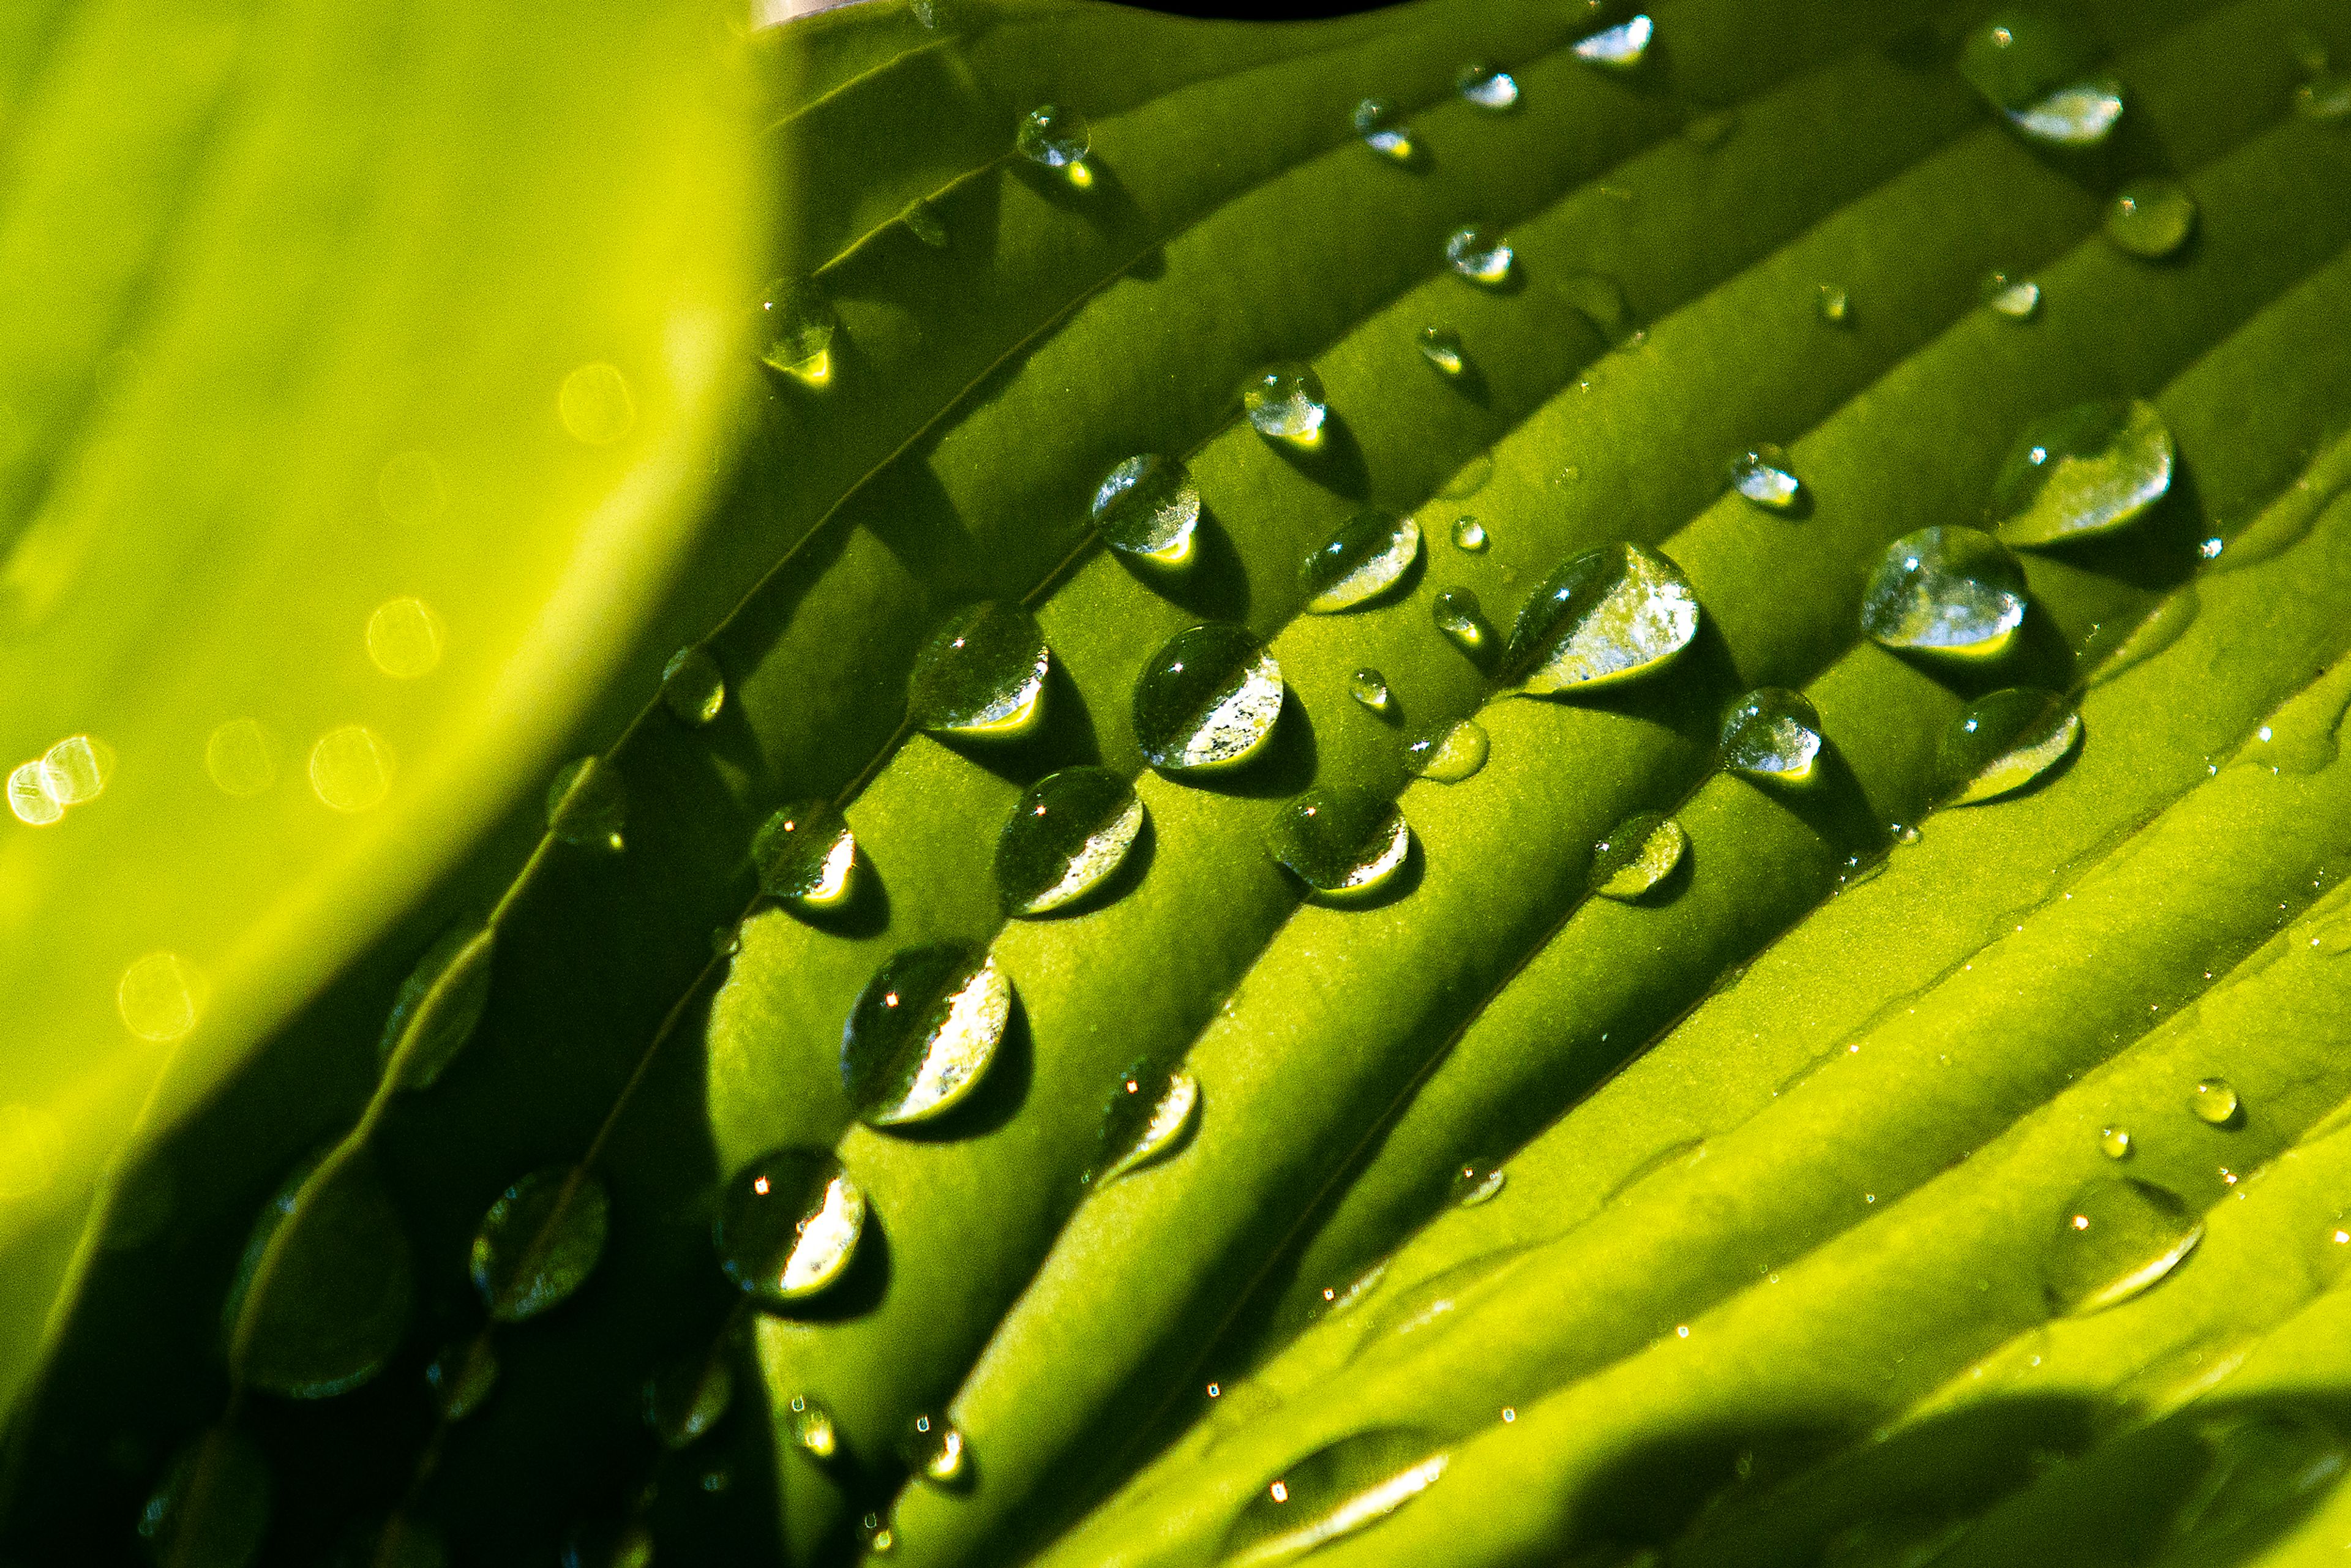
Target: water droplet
461,1376
596,405
1069,834
75,770
1451,753
1479,254
1638,854
1056,137
1147,1114
1476,1181
2325,98
922,1033
240,757
211,1507
29,798
1469,534
1621,47
2211,548
403,638
1285,402
1362,561
2214,1102
2086,470
438,1006
1833,303
938,15
1487,87
2018,298
2114,1143
587,805
2002,741
1946,590
2151,219
1441,346
1148,508
2081,114
933,1448
1343,842
693,687
2020,56
2115,1239
333,1304
351,768
812,1427
805,855
160,997
787,1224
1335,1491
1764,478
539,1242
981,675
1207,701
1376,122
1462,620
799,322
1607,614
1370,690
1771,733
924,222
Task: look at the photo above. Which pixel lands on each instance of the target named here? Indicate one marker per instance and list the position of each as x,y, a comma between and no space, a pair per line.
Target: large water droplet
1946,590
1055,137
1069,834
2117,1238
2081,114
1771,733
539,1242
1441,346
1463,621
805,854
1638,854
813,1427
1383,131
799,323
1450,754
2084,470
981,675
1487,87
922,1033
461,1376
211,1507
1370,690
1479,254
587,805
1620,48
686,1399
439,1006
1362,561
1147,1114
2214,1101
1469,534
1763,476
934,1448
1285,402
1476,1181
1343,842
1335,1491
1147,508
1606,614
2018,298
788,1224
2151,219
693,687
325,1289
2020,56
1207,700
2001,742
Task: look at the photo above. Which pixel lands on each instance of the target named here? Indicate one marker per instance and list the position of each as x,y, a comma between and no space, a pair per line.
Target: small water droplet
2215,1103
925,222
806,854
2081,114
1148,509
1638,854
1285,402
2018,298
686,1399
693,687
211,1507
1056,137
799,323
1462,620
439,1006
981,675
2151,219
1377,122
335,1303
2114,1143
1606,614
160,997
922,1033
1335,1491
1771,733
1476,1181
596,405
2021,60
2085,470
1370,690
1441,346
2001,742
1469,534
1946,590
1488,88
1620,48
787,1224
813,1427
2115,1240
29,798
539,1242
2332,939
240,757
1362,561
1763,474
403,638
1207,701
1452,753
587,805
1069,833
351,768
1479,254
933,1448
2325,98
1833,303
1343,842
461,1376
1147,1113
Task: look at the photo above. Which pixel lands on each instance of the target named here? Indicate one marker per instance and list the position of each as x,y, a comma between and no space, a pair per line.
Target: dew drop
1479,254
686,1399
1056,137
1476,1181
2018,298
587,805
403,638
1451,753
1285,402
2020,56
334,1303
211,1507
1606,614
1207,701
2151,219
2081,114
922,1033
799,322
1763,476
1946,590
596,405
2114,1143
1469,534
2115,1239
1364,559
1771,733
351,768
160,997
934,1448
1620,48
1441,346
2001,742
812,1428
1069,833
539,1242
1463,621
29,798
1343,842
1335,1491
805,855
1146,1116
2215,1103
240,757
1370,690
693,687
1491,89
2325,98
461,1376
1833,304
1148,509
981,675
2086,470
1638,854
924,222
1377,122
439,1006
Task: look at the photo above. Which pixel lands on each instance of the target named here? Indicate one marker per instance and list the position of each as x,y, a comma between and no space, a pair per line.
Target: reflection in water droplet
1764,478
1335,1491
922,1033
1376,122
1462,620
1285,402
805,854
1620,47
688,1397
981,675
1638,854
1833,304
1055,137
1147,1114
2001,742
1207,701
29,798
596,405
351,768
588,805
2081,115
1362,561
2151,219
1469,534
1946,590
2114,1143
1771,733
211,1507
410,490
693,687
799,322
1343,842
240,759
160,997
1441,346
1451,754
933,1448
1370,690
1487,87
788,1224
1148,508
1476,1181
2017,298
539,1242
1606,614
813,1427
2085,470
1479,254
461,1376
403,638
2117,1238
30,1143
2215,1102
1070,832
